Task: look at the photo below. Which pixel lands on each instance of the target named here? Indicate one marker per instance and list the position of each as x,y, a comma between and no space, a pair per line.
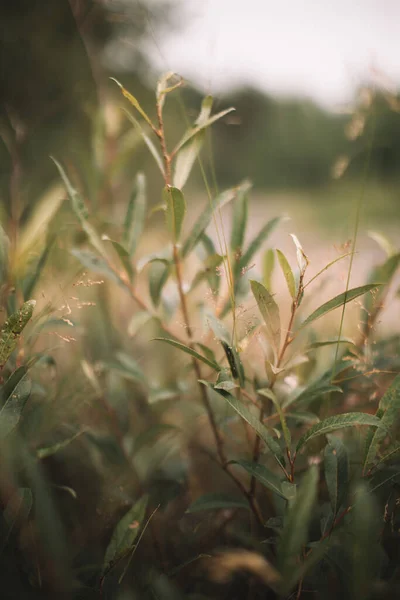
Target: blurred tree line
55,60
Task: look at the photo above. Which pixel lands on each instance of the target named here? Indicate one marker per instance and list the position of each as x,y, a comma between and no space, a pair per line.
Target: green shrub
194,444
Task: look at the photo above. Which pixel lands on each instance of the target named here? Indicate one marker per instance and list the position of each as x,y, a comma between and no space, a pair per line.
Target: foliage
198,442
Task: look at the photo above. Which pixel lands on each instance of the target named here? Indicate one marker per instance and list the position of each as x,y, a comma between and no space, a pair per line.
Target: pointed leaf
175,212
336,464
133,101
263,475
387,413
139,319
254,422
295,531
337,422
268,268
288,273
96,264
203,125
123,256
205,217
14,394
147,140
185,160
32,278
239,221
51,450
80,210
216,501
12,328
191,351
302,259
338,301
158,276
136,213
268,393
270,313
4,249
125,533
256,244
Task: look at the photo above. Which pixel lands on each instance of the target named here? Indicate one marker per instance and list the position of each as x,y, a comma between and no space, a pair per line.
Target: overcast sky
318,48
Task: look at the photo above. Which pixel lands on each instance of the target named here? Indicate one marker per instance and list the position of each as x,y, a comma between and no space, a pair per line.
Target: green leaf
338,301
129,367
387,414
158,277
135,215
383,242
175,212
313,392
364,551
12,328
256,244
336,472
295,530
4,248
33,276
14,396
96,264
333,342
263,475
288,273
80,210
270,313
203,125
139,319
123,256
205,217
133,101
268,393
125,534
191,351
163,88
216,501
239,221
147,140
222,334
268,268
186,158
54,448
255,423
337,422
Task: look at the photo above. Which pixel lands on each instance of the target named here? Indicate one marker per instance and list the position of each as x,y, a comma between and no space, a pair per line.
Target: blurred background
314,85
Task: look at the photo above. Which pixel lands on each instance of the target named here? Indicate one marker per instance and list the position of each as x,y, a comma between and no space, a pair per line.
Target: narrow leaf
51,450
12,328
125,534
239,221
175,212
216,501
295,531
14,394
288,273
387,413
33,276
336,472
256,244
135,216
254,422
337,422
133,101
195,130
148,141
263,475
338,301
185,160
205,217
96,264
268,393
158,276
191,351
270,313
123,256
268,265
302,259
